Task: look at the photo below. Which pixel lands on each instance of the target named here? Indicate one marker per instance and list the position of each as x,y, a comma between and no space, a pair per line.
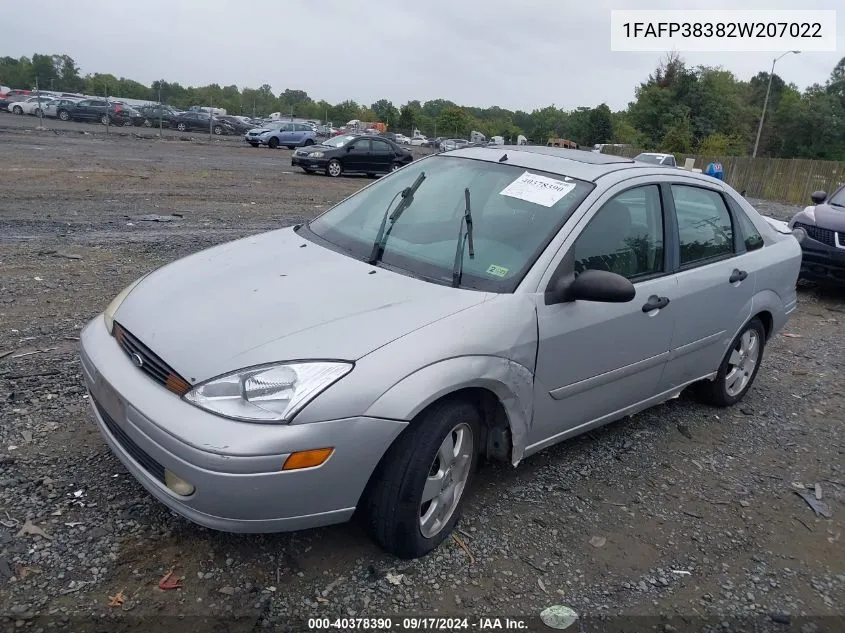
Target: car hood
275,297
823,215
259,130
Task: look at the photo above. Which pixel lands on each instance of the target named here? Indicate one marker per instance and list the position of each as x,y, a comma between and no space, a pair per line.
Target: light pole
766,101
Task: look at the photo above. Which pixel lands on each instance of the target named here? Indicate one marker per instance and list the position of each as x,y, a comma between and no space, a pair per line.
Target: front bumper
255,139
822,262
306,162
234,466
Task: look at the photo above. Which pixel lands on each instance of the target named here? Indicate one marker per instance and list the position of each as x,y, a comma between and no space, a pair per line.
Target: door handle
737,275
655,303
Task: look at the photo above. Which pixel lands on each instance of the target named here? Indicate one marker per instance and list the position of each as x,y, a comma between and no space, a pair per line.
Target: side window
625,236
361,147
670,161
381,146
750,235
705,227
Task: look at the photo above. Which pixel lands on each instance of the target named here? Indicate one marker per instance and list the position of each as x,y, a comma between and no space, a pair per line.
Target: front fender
512,383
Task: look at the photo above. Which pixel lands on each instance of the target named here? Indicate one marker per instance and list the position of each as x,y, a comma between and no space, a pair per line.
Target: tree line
678,108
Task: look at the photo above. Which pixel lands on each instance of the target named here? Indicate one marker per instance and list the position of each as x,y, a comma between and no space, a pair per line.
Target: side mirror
592,285
819,197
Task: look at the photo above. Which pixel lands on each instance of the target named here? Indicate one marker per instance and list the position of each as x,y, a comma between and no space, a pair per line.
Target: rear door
716,280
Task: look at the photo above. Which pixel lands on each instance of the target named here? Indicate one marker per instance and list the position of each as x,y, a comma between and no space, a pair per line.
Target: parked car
352,154
52,108
434,142
31,105
449,144
129,115
200,121
823,246
404,355
11,98
667,160
418,141
91,110
402,139
153,113
287,133
236,123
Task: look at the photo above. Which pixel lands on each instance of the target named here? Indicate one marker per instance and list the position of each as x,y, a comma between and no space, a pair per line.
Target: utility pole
210,117
160,113
766,101
40,113
108,106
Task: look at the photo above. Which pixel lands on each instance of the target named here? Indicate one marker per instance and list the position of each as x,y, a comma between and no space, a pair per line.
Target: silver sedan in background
488,302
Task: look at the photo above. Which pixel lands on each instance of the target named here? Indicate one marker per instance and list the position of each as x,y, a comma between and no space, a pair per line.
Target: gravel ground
681,518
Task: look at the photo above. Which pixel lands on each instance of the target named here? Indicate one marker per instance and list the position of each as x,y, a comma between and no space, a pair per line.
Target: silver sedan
488,302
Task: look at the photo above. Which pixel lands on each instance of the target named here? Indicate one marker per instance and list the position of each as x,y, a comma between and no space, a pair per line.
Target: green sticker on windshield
499,271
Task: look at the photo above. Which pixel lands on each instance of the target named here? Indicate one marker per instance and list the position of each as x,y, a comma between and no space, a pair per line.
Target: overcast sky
519,54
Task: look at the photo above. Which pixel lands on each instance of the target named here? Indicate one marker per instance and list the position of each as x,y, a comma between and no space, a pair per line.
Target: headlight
316,155
270,393
799,233
108,315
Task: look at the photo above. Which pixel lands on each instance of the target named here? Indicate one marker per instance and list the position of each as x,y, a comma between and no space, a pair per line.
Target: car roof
575,163
658,154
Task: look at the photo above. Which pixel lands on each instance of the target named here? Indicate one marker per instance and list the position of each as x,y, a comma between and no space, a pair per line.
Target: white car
402,139
418,140
29,106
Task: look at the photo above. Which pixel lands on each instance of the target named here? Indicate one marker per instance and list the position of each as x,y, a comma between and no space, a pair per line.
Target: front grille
136,452
825,236
151,364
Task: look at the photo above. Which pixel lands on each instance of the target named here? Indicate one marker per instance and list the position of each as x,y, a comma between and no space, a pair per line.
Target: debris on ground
117,599
558,617
819,507
395,579
598,541
30,529
464,547
167,582
154,217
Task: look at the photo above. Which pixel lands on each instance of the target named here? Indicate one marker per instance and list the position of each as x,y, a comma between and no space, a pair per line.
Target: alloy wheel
742,361
446,480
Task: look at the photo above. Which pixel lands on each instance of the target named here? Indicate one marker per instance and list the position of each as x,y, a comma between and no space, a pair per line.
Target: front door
358,155
597,359
382,155
716,279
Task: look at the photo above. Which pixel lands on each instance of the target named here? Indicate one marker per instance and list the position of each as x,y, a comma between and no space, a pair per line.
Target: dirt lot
682,518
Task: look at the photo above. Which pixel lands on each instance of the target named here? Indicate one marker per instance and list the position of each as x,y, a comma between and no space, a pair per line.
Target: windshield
838,199
514,215
338,141
649,158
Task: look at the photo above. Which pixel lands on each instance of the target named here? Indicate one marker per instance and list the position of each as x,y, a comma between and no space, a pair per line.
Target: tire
334,168
147,123
218,130
37,112
254,144
401,522
64,115
181,127
396,166
273,143
127,123
17,110
308,142
744,355
104,119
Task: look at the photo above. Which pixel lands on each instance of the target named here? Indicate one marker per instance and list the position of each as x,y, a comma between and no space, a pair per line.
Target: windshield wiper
458,268
381,237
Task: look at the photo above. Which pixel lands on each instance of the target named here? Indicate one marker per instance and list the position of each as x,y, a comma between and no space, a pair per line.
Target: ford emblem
136,358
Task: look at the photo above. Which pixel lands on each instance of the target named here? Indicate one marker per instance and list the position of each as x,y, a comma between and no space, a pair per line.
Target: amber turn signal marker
307,459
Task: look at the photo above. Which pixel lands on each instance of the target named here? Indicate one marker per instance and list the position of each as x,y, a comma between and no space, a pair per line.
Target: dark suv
153,113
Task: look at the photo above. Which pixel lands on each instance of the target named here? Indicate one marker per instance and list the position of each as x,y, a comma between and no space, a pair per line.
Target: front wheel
334,168
37,112
738,369
64,115
17,110
396,166
308,142
181,127
104,119
218,130
273,143
148,123
420,485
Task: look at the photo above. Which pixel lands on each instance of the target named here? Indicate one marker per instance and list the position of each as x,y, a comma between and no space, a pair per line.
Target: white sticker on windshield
538,189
